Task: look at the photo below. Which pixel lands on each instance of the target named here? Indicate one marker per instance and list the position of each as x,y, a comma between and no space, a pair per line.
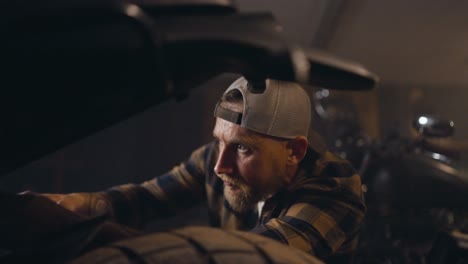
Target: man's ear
297,150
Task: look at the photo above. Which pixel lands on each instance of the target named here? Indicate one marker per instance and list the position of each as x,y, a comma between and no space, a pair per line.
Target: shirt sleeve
163,196
325,215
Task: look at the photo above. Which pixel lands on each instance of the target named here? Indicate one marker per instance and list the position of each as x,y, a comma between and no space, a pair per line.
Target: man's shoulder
328,172
331,165
326,165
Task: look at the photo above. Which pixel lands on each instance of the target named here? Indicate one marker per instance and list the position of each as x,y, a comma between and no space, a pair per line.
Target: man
259,174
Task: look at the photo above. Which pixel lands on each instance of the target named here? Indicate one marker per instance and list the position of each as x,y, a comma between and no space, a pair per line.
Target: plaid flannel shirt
320,212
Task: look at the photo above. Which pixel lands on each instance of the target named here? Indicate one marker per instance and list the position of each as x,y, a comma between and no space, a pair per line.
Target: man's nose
224,164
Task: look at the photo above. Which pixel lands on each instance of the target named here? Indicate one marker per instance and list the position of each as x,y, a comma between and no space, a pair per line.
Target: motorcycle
415,193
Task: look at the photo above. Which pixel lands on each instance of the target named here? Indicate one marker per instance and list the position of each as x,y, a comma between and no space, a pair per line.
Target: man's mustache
231,180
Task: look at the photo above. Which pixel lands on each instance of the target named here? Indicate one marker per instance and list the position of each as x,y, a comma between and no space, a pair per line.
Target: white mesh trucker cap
282,110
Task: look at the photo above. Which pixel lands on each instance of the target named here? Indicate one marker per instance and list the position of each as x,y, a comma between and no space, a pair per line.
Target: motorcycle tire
197,245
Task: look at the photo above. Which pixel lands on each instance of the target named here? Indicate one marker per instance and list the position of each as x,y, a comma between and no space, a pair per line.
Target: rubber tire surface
197,245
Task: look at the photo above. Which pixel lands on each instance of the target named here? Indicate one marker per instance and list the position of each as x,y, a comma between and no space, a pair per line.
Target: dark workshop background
419,49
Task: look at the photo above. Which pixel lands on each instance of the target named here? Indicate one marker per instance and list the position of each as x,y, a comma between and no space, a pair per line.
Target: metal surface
416,181
433,126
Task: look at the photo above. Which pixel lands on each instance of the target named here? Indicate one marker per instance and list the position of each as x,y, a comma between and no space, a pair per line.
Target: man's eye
241,148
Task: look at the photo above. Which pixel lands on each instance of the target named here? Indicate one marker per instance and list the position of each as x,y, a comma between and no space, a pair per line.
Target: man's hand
85,204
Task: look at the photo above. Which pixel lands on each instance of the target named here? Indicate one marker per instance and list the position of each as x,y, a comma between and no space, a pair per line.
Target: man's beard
240,196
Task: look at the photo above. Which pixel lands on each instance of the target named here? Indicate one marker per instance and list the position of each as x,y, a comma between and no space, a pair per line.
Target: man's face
252,166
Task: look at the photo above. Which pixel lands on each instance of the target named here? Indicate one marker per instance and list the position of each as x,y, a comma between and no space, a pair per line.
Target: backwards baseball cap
282,110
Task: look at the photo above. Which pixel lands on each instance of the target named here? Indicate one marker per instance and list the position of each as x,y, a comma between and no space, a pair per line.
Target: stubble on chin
240,200
237,193
240,196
